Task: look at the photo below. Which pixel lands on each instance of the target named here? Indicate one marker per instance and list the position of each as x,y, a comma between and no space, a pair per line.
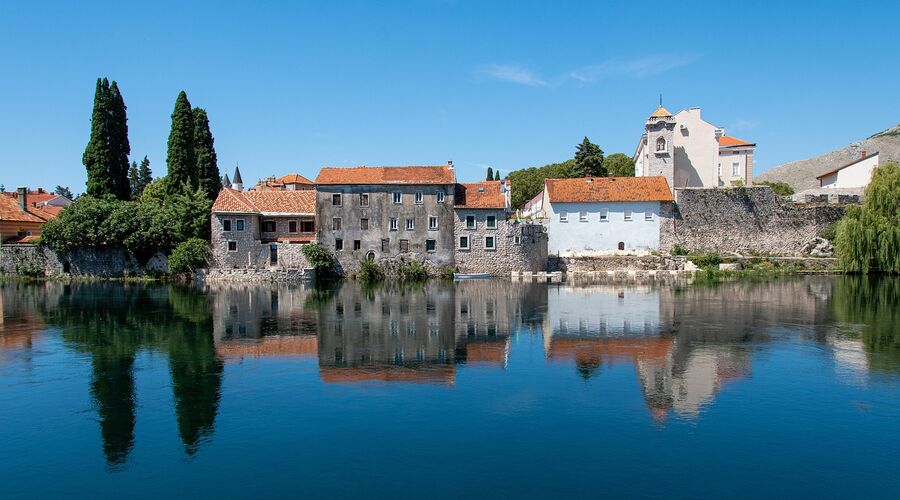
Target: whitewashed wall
857,175
592,238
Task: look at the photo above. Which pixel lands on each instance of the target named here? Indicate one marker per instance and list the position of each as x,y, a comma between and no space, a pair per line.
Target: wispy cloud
639,67
513,73
743,125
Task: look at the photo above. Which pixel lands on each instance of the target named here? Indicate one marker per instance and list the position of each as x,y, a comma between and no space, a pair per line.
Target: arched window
621,245
370,256
660,144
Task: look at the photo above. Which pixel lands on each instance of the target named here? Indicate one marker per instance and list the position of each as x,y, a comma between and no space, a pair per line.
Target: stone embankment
35,261
254,275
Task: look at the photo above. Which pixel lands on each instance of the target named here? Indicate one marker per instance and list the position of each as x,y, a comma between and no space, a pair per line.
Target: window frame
664,143
564,216
336,224
357,245
292,226
440,196
231,243
393,224
432,243
468,244
432,227
735,169
474,224
493,245
582,216
385,245
337,200
226,225
266,224
648,215
628,215
363,223
338,244
420,198
404,243
397,197
239,224
364,196
604,214
487,222
410,224
312,223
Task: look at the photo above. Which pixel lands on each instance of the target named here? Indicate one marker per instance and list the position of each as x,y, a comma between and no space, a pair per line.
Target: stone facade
246,245
219,274
742,220
517,246
368,224
31,260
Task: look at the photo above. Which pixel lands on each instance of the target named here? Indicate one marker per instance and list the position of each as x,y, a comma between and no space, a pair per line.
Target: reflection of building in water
21,321
483,319
388,333
253,320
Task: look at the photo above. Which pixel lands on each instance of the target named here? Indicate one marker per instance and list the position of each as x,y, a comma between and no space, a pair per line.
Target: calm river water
781,388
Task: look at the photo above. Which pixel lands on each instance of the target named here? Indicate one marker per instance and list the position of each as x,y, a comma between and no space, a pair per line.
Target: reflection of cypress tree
875,303
113,392
196,370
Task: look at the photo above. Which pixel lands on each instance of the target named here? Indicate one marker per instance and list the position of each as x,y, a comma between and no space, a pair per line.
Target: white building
603,215
855,174
691,152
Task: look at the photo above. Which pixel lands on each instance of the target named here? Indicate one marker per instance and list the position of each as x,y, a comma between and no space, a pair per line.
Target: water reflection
685,344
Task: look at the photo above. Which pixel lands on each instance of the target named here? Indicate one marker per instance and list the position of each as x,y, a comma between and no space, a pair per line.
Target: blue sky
291,87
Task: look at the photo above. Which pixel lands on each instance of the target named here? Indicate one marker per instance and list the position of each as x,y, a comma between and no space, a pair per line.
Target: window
364,224
232,246
517,240
719,170
338,244
564,216
432,223
226,225
336,200
336,224
385,245
440,196
430,245
404,245
470,222
627,214
735,169
582,216
307,226
364,199
419,198
491,222
604,215
489,243
268,226
464,242
621,245
660,145
357,244
292,226
393,223
397,198
239,224
648,214
410,224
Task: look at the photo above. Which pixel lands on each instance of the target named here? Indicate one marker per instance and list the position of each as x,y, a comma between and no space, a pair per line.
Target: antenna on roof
660,100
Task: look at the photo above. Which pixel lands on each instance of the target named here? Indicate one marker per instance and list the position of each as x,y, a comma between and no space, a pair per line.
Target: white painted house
603,215
855,174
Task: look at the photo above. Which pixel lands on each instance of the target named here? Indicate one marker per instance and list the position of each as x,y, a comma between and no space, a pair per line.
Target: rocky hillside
802,174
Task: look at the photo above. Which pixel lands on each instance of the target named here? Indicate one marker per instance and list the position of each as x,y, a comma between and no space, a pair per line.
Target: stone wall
219,274
517,246
615,263
743,220
31,260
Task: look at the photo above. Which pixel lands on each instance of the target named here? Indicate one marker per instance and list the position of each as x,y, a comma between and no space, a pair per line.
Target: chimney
450,163
23,198
862,154
589,178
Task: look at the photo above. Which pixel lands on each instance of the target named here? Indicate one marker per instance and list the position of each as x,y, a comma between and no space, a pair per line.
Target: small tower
237,183
226,182
660,129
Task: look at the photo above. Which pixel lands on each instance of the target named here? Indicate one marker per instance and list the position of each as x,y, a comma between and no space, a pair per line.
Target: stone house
488,240
289,182
856,174
387,214
596,216
24,212
261,229
691,152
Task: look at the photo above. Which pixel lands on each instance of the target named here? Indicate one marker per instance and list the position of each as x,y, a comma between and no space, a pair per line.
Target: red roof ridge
411,174
728,141
606,189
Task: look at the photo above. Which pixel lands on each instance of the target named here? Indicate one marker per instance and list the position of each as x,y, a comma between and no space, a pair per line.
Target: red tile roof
438,374
487,194
9,210
440,174
294,179
266,202
603,189
661,112
728,141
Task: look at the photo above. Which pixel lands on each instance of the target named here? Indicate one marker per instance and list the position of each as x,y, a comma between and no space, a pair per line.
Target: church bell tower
660,130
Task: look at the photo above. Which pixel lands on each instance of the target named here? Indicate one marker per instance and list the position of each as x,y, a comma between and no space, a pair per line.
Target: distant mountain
802,174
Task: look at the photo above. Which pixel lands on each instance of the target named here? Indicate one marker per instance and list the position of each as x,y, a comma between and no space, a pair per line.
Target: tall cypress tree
490,174
205,152
588,160
145,175
119,145
497,175
180,158
134,181
98,155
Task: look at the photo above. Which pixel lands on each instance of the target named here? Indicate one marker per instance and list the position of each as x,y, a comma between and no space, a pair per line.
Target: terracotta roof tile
265,202
487,194
661,112
440,174
728,141
438,374
9,210
601,189
294,179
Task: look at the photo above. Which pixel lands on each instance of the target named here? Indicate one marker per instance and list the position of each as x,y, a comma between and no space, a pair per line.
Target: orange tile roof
488,352
598,348
728,141
440,174
603,189
9,210
294,179
280,345
438,374
661,112
266,202
485,194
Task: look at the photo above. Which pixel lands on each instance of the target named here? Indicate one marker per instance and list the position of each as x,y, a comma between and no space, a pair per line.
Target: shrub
679,250
188,256
706,260
447,273
868,237
737,183
780,188
414,271
319,257
369,271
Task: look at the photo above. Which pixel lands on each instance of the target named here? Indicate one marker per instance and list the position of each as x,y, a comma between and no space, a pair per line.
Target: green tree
180,157
490,174
133,180
119,145
780,188
588,160
144,174
63,191
98,156
205,152
868,237
528,182
619,165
